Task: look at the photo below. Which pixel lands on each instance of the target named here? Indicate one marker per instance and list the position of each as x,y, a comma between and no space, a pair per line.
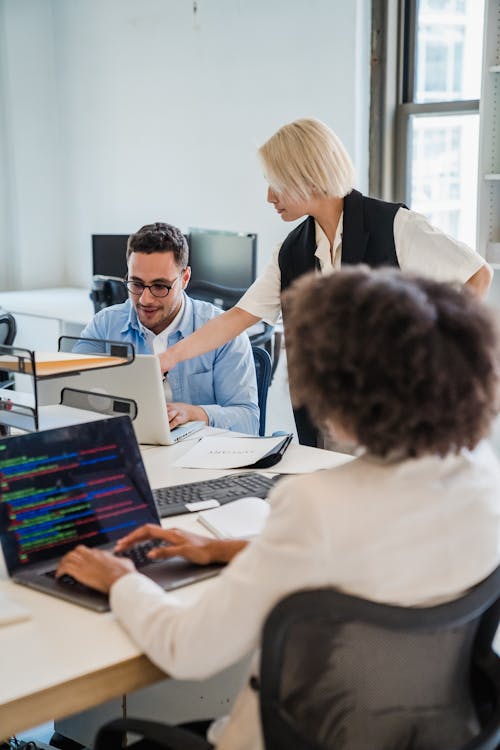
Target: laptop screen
80,484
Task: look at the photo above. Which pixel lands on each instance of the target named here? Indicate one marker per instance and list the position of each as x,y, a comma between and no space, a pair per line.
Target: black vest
367,237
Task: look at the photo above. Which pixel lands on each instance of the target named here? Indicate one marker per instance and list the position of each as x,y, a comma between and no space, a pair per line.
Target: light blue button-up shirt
222,381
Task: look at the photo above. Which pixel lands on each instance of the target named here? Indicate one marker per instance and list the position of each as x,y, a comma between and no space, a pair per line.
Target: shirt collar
323,253
180,322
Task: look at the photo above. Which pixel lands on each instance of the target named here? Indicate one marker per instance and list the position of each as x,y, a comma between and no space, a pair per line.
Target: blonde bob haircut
306,158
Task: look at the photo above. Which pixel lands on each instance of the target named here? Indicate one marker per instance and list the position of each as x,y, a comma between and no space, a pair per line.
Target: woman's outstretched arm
216,332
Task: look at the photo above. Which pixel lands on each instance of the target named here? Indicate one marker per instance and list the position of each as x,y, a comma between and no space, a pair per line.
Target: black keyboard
171,501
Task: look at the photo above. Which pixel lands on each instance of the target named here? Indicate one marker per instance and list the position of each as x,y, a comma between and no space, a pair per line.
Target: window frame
392,98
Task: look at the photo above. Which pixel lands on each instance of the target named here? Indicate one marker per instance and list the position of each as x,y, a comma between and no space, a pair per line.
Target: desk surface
66,658
71,304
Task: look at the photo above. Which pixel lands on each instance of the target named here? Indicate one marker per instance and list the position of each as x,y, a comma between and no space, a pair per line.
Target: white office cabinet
488,217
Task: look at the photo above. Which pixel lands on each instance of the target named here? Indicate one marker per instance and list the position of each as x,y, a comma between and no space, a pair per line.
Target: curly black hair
159,238
406,364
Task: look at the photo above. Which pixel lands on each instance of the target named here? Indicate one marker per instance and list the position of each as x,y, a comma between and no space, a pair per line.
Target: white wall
122,112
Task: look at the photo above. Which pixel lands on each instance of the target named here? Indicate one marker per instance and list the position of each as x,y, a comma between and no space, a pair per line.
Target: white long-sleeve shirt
414,533
420,248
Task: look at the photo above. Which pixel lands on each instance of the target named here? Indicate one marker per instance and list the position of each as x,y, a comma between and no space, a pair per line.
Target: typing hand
181,413
93,567
199,549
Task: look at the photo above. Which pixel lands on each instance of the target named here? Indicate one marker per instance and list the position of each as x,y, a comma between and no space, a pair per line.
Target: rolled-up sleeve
422,248
263,298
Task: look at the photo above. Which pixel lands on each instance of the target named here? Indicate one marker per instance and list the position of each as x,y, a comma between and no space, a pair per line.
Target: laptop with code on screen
81,484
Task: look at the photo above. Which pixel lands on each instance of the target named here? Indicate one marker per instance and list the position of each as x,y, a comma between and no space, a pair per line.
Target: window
438,112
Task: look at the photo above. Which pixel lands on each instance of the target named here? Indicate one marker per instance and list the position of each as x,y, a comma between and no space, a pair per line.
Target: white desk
42,315
65,658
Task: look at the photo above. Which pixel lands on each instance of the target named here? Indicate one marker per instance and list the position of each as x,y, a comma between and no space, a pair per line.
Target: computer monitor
225,258
109,255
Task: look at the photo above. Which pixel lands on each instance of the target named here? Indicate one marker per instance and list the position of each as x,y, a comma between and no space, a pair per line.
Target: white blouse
420,248
414,533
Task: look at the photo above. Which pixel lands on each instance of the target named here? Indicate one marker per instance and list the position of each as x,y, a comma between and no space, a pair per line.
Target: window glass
448,50
443,171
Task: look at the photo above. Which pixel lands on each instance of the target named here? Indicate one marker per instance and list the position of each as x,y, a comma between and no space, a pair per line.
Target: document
240,519
228,452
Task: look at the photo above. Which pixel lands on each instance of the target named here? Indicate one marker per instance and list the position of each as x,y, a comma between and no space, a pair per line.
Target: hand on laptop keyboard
199,549
94,568
139,553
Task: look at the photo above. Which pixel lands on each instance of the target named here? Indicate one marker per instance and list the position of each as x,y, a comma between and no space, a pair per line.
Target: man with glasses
218,388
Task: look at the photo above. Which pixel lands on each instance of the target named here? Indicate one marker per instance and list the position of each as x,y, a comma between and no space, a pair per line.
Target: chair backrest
221,296
107,291
348,674
8,328
263,368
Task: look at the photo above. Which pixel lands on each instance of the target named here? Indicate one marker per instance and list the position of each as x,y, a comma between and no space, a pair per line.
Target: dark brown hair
159,238
406,364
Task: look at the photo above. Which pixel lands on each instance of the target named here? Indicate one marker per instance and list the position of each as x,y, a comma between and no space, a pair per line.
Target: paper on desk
227,452
242,519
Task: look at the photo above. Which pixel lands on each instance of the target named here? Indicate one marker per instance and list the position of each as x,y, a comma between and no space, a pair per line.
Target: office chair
8,328
262,362
345,673
342,673
107,291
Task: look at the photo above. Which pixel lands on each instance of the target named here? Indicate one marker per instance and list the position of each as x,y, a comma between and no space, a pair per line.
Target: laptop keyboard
171,501
138,555
66,580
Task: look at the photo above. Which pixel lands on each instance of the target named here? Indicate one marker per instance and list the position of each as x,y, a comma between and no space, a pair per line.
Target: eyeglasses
157,290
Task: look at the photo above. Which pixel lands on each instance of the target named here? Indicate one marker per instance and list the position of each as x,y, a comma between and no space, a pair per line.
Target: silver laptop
82,484
141,381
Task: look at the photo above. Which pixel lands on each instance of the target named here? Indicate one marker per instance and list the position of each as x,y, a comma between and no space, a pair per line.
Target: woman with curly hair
310,174
405,369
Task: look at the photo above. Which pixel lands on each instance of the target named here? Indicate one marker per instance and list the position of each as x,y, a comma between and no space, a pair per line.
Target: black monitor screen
224,258
109,255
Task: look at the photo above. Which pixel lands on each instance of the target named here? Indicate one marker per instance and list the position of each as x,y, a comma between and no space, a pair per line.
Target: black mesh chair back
221,296
8,328
343,673
263,368
107,291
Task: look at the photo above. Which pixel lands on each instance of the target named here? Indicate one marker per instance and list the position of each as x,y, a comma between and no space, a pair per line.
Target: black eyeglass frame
150,287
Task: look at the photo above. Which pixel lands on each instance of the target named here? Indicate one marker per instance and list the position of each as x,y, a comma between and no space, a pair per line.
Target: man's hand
181,413
199,549
94,568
